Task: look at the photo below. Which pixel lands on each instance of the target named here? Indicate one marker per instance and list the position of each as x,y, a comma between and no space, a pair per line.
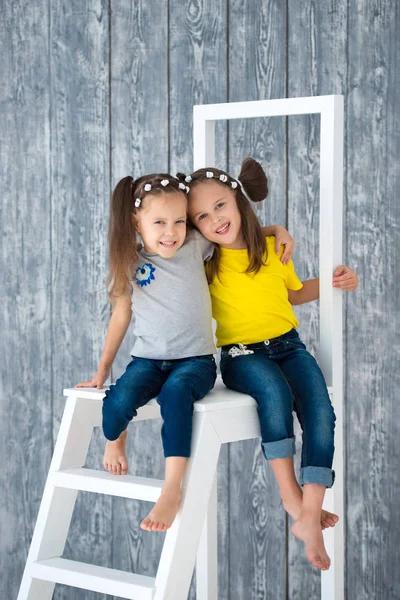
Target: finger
346,287
287,255
84,384
344,281
340,270
345,277
277,246
285,258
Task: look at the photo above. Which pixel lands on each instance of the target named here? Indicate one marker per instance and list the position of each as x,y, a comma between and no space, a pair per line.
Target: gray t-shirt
171,303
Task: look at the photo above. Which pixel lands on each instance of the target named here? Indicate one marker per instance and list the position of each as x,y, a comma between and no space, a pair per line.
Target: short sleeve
292,281
206,247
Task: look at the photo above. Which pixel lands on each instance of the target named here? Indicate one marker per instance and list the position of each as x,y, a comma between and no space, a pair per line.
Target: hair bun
254,179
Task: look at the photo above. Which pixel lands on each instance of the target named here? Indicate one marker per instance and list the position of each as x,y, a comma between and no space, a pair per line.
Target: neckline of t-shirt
243,250
228,250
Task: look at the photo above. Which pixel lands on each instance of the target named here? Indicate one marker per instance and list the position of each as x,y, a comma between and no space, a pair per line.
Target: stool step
94,578
103,482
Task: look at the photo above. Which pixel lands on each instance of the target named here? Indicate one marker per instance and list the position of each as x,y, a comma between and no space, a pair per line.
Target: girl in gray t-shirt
172,358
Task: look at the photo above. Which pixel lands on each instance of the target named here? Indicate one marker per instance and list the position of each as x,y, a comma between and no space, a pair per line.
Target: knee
117,411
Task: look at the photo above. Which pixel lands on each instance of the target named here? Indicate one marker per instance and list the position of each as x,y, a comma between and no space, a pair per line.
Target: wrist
105,365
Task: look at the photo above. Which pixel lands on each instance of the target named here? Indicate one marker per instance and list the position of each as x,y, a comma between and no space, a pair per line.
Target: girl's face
161,222
214,211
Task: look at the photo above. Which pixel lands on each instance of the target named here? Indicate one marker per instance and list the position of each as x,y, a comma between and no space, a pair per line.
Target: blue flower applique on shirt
144,274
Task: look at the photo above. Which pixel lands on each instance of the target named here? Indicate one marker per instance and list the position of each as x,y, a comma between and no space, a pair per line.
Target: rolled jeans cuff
279,449
320,475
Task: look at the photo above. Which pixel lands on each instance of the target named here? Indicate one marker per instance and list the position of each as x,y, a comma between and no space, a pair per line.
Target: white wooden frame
330,354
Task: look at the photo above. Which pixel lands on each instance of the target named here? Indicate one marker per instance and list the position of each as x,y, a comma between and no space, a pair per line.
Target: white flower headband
224,179
164,183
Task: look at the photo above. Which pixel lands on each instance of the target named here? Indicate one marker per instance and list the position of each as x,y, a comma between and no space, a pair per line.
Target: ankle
171,489
308,515
293,496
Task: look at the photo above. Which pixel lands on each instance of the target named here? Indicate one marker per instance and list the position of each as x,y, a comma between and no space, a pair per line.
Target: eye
203,216
181,221
159,222
220,204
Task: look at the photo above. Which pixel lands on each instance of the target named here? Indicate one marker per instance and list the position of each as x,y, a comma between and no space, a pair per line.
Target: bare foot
164,512
308,530
293,505
115,459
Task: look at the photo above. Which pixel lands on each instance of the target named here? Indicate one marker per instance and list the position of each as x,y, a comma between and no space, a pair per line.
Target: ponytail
121,238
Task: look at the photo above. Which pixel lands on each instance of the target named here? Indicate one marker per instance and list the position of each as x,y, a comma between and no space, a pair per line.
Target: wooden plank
257,521
139,138
25,266
80,191
198,75
316,66
372,382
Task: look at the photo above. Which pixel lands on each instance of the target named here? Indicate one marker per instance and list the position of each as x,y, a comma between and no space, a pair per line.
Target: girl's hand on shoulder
283,238
97,381
345,278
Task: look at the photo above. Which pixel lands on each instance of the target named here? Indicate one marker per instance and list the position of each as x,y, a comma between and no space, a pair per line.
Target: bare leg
291,493
115,459
164,512
308,527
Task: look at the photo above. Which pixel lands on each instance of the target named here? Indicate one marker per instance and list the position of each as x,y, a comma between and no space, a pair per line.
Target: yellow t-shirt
251,307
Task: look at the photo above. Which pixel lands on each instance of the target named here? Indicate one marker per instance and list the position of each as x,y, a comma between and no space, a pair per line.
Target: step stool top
220,397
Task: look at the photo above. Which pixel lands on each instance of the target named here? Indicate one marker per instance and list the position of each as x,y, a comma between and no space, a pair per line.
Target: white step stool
223,416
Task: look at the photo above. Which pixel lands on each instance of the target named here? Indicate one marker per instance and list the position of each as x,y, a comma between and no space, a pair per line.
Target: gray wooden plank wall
93,91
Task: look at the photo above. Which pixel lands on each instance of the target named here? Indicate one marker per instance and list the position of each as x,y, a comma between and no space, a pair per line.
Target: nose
216,219
171,230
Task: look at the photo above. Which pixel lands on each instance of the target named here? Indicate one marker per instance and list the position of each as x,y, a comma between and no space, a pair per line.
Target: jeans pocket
295,344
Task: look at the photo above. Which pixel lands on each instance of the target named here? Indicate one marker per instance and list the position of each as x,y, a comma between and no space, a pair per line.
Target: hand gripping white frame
330,256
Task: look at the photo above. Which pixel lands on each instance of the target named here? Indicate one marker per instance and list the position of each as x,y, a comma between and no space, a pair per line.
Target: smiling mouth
223,229
168,244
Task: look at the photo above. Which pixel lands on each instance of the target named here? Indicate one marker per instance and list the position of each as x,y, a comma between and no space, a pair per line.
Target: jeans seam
150,392
199,375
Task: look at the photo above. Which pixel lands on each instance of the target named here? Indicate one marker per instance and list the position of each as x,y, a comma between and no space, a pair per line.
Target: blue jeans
177,384
282,376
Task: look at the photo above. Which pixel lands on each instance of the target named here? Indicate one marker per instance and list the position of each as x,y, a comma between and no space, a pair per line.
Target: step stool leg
178,556
207,555
57,505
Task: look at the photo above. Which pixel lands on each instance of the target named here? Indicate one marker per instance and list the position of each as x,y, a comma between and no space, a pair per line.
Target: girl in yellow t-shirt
252,291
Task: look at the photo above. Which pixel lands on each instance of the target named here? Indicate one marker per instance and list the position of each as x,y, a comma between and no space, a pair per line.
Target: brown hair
122,240
255,183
